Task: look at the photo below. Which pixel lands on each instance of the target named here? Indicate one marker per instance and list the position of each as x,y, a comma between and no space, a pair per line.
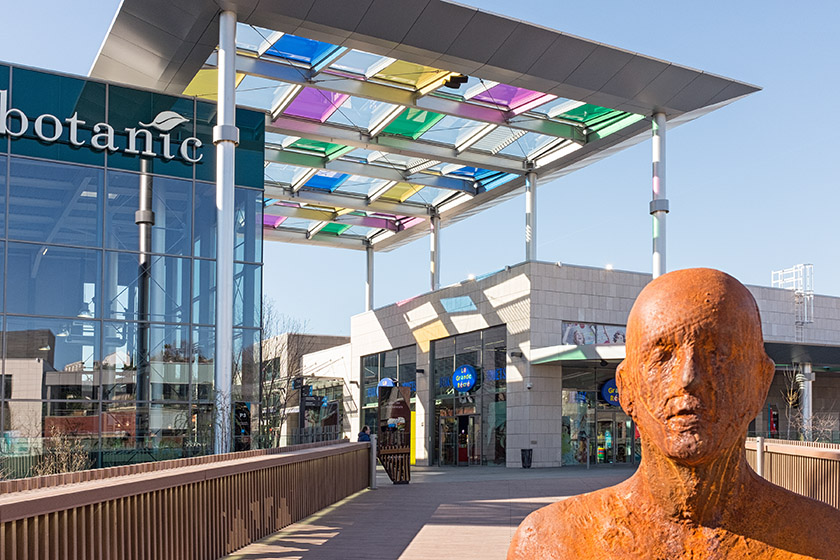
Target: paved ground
461,513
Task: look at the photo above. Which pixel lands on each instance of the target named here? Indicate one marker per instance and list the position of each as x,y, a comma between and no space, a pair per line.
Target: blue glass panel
499,179
55,202
69,355
49,280
300,49
250,153
327,180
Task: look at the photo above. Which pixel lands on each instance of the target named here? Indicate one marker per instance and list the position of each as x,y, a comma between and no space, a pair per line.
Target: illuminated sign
464,379
610,392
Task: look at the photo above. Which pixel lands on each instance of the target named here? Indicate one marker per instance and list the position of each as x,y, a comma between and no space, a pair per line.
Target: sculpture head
695,371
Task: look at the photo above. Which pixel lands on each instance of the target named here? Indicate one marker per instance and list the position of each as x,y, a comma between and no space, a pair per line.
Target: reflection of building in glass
109,313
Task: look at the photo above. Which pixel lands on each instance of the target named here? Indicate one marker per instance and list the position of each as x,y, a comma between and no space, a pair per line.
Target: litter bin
527,454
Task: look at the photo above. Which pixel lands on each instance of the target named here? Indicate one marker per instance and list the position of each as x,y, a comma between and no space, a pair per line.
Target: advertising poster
583,334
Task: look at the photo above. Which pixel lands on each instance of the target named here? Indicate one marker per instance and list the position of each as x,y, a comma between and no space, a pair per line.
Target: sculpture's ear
625,394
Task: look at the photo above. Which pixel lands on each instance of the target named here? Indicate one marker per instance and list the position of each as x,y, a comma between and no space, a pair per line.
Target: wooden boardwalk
465,513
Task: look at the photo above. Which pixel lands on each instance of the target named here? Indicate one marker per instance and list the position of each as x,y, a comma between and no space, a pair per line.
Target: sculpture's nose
689,368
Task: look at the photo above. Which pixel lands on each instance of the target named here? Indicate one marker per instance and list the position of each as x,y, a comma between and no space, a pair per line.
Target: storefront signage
499,374
610,392
49,128
464,378
386,382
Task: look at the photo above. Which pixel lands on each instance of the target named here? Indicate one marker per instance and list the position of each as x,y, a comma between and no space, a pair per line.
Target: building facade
107,238
539,343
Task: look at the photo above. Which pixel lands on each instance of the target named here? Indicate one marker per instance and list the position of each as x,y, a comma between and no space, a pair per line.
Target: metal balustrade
808,468
200,508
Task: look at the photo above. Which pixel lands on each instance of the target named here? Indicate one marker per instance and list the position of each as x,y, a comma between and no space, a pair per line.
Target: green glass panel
127,108
322,148
412,123
585,113
250,154
36,94
335,229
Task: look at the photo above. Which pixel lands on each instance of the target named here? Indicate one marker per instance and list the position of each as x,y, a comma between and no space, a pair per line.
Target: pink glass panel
315,104
508,96
273,221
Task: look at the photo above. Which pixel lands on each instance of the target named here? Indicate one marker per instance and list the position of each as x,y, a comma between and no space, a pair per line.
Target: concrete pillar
225,138
659,204
531,216
807,401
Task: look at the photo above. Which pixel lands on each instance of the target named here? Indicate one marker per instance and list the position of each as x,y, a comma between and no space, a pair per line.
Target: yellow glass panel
401,191
410,74
205,84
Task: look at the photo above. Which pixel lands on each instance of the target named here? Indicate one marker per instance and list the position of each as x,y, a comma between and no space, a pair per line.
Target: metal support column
659,204
369,282
531,216
807,404
434,264
225,138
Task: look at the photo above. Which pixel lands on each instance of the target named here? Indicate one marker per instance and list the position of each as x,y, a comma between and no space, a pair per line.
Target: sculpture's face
696,372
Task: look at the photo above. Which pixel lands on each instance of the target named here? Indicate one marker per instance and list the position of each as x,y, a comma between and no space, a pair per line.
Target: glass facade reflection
107,313
399,365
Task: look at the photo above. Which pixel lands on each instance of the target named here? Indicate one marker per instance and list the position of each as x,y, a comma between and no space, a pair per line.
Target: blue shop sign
386,382
610,392
464,379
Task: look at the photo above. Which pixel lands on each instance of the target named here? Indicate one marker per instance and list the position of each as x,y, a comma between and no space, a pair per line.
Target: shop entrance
460,440
614,441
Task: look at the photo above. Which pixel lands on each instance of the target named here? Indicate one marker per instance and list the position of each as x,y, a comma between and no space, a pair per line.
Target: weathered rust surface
694,376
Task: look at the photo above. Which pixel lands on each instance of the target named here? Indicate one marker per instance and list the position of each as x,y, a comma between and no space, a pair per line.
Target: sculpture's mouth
684,410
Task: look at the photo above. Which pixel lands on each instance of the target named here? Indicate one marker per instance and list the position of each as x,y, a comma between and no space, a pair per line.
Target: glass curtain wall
470,426
595,430
108,324
399,365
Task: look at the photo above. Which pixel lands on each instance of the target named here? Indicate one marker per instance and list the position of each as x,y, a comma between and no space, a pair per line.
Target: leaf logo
166,121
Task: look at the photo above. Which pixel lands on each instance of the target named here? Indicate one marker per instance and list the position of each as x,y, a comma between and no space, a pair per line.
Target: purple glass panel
508,96
273,221
315,104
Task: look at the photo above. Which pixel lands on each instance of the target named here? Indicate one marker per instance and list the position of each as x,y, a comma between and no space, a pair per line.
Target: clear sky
753,186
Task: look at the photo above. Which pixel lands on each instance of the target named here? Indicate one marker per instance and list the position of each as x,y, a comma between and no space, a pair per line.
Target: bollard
373,462
759,456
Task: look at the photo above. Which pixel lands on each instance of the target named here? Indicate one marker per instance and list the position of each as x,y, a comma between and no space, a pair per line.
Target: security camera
529,386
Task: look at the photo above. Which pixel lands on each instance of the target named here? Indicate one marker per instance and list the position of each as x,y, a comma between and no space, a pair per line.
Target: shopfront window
470,399
398,366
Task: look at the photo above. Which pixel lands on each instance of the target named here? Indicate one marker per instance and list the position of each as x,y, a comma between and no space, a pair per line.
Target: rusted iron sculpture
694,376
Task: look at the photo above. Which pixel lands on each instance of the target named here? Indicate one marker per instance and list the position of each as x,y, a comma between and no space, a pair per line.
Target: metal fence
808,468
202,508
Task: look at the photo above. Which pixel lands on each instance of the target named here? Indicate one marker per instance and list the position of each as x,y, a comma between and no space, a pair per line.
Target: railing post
759,456
373,462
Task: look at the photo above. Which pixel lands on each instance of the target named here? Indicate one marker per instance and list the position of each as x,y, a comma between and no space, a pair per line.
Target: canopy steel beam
379,92
290,235
324,132
287,157
331,217
281,192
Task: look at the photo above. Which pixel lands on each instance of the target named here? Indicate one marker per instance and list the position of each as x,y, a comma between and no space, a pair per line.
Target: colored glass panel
301,49
325,149
585,113
410,74
327,180
335,229
412,123
508,96
205,84
402,191
315,104
273,221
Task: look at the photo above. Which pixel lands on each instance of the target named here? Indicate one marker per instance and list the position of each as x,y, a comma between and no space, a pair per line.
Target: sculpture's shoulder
559,531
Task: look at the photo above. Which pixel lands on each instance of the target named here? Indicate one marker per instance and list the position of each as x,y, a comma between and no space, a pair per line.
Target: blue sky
753,187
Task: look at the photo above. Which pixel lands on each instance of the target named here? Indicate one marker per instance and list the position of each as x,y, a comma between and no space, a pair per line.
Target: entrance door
614,438
604,433
446,453
469,438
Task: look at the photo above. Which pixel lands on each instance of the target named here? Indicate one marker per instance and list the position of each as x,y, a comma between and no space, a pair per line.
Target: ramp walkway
465,513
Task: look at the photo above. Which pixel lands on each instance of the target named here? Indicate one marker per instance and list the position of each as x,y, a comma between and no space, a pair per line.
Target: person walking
364,435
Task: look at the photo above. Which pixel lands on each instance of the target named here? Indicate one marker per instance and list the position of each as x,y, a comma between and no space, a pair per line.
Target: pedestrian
364,435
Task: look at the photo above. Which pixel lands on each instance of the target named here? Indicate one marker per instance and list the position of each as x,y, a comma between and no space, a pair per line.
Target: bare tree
284,346
62,453
791,396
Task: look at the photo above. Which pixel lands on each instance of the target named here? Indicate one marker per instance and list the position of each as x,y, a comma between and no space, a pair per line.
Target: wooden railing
201,510
808,468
